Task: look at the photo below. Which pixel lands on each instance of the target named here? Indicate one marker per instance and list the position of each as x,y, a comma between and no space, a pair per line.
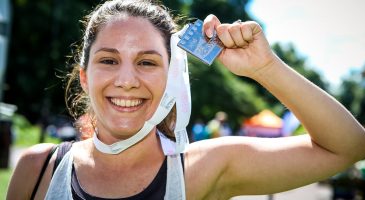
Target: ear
83,80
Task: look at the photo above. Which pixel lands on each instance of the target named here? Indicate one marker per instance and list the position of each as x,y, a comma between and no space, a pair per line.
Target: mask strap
183,97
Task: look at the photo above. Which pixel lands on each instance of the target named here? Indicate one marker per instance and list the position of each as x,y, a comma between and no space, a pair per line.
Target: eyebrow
149,52
112,50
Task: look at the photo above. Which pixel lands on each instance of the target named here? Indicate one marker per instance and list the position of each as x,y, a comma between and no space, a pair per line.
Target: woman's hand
246,48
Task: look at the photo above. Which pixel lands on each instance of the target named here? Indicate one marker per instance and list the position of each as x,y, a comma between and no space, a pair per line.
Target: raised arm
260,166
329,124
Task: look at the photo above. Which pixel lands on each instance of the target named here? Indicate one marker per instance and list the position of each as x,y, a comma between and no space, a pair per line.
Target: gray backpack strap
60,186
175,184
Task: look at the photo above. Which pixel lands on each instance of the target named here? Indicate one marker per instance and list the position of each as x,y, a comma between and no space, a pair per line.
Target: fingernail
209,33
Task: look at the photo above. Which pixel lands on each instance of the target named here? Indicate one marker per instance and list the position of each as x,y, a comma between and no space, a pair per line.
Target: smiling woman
127,66
131,89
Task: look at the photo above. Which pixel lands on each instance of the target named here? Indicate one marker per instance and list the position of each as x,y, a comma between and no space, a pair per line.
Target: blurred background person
218,126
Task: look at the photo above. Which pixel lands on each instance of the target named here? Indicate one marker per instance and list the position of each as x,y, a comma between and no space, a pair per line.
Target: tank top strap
43,170
60,186
64,147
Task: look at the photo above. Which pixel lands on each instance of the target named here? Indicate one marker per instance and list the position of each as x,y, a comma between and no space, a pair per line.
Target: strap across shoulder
44,167
64,147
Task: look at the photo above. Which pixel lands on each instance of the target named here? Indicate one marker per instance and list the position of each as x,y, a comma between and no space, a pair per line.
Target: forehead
132,34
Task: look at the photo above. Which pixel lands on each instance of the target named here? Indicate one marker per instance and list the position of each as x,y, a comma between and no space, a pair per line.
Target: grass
5,175
27,134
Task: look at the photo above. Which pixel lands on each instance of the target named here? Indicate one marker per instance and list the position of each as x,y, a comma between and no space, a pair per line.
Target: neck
145,151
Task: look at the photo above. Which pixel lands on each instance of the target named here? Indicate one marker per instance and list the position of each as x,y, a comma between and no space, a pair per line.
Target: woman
123,71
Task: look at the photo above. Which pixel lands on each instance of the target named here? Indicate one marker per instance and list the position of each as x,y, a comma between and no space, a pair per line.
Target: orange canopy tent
264,124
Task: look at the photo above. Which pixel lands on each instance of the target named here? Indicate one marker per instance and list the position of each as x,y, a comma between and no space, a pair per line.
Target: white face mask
177,91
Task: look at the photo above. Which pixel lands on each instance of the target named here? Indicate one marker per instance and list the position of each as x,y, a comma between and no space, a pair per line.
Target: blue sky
330,34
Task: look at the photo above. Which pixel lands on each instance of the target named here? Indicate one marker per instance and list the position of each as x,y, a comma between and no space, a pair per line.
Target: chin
125,132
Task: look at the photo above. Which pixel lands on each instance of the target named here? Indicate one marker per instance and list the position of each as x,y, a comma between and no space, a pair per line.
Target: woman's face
126,76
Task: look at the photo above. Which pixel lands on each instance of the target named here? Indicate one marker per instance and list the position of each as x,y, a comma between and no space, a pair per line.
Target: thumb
210,24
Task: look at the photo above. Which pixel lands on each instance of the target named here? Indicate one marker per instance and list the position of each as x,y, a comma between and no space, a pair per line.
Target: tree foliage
226,10
292,58
352,94
41,38
215,89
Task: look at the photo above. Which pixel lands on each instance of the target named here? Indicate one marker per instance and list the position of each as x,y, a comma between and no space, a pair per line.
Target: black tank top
154,191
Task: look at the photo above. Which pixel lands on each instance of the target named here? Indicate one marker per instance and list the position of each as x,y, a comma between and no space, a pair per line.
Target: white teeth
126,103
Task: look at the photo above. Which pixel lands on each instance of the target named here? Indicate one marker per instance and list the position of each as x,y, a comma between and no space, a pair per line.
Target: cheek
160,85
96,82
157,86
98,78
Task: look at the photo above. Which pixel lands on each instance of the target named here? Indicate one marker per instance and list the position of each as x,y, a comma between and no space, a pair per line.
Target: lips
126,103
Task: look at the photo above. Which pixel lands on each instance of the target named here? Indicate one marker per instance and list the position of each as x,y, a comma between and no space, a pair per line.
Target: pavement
310,192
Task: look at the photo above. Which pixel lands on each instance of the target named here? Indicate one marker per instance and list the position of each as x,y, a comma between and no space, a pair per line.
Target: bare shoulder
29,166
34,156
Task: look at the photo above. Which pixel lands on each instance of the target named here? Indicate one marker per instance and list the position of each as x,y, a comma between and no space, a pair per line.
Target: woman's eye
146,63
108,62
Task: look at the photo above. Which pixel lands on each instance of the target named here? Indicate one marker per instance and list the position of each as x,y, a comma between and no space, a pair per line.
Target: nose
126,77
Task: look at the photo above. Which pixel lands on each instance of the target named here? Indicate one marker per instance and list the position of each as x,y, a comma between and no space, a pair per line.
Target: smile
127,103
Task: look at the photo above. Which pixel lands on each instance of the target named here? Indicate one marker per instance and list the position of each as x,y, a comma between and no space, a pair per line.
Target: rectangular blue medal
196,43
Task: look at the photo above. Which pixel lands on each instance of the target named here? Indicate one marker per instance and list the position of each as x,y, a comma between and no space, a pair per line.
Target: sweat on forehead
129,36
158,16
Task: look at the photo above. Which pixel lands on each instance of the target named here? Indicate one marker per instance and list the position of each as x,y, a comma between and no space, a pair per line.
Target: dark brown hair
77,101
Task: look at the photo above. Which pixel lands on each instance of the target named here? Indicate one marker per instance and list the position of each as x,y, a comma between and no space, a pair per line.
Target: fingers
236,35
211,22
239,36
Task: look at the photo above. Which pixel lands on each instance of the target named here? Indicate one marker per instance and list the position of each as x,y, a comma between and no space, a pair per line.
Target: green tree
215,89
174,5
42,34
290,56
226,10
352,94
